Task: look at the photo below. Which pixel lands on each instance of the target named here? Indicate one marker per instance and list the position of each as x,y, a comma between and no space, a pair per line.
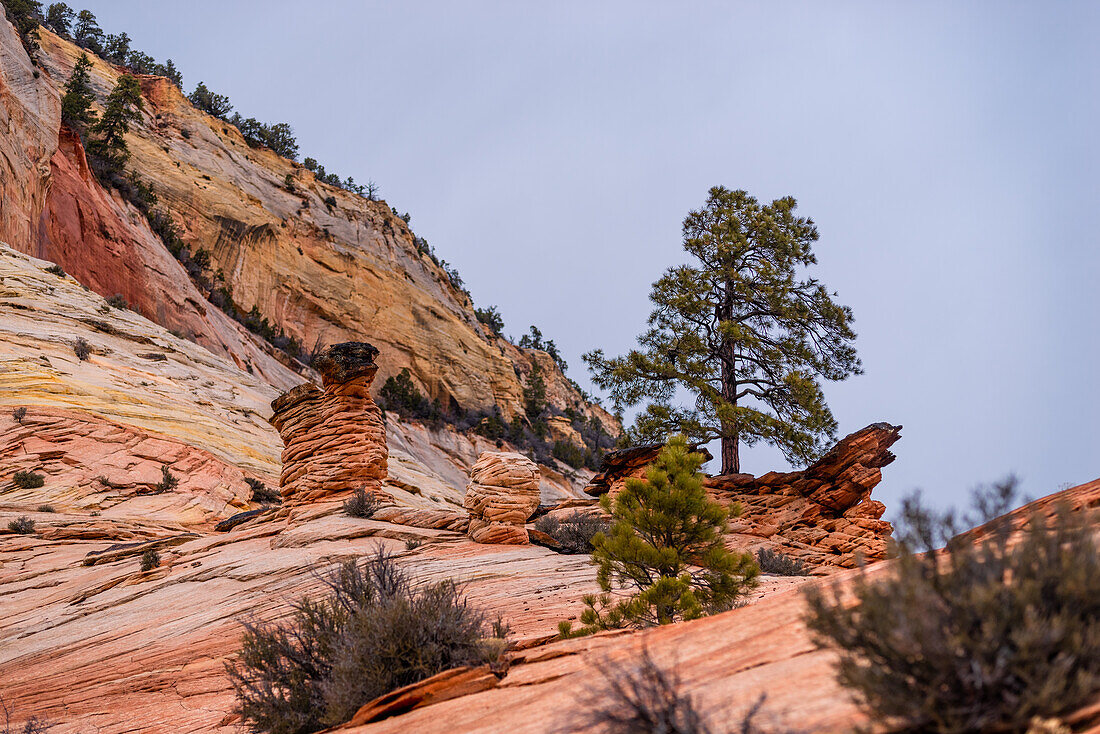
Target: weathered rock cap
619,463
298,394
342,362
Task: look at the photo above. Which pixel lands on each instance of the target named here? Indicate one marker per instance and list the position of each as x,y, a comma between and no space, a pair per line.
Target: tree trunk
731,462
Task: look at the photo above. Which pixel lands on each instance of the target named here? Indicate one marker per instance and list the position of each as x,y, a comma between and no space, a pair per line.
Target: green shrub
28,480
45,508
22,525
150,559
400,395
534,392
361,504
262,493
569,453
491,318
57,270
168,481
413,543
665,550
373,632
771,561
117,301
573,533
983,635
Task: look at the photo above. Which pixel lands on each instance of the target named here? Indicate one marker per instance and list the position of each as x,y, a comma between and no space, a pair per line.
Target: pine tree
24,15
124,105
59,17
665,545
743,332
217,105
76,105
87,32
534,392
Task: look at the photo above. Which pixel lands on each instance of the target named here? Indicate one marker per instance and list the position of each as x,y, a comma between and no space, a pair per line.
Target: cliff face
324,273
30,114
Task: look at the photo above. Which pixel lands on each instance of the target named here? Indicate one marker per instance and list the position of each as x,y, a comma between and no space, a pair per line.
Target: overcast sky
948,153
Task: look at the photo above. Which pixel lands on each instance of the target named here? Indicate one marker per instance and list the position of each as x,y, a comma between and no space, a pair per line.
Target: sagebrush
574,533
374,631
361,504
772,561
28,480
972,632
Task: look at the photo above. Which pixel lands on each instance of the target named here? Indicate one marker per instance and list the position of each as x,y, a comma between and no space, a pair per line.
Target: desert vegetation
977,631
27,479
399,394
262,493
741,333
573,533
780,564
21,525
373,631
18,414
664,556
361,504
150,559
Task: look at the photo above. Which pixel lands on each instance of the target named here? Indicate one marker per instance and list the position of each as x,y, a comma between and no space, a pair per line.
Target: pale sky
947,151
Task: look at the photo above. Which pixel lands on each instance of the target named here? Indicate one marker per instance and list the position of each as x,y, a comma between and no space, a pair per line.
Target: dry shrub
983,635
262,493
18,414
361,504
82,349
150,559
373,632
771,561
28,480
573,533
642,697
168,481
22,525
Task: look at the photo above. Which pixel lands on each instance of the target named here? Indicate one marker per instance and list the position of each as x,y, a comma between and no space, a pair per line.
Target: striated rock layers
334,437
503,492
822,515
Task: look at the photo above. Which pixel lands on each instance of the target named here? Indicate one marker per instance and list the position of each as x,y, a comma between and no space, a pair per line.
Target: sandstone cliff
324,273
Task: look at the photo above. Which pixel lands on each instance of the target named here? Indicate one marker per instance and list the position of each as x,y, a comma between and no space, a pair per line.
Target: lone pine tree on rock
743,332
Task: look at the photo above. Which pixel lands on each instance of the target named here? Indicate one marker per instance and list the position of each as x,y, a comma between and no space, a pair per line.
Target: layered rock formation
335,439
502,494
822,515
324,274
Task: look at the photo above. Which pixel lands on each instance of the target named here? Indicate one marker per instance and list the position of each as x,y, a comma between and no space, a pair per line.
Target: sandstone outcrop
502,494
822,515
334,436
322,273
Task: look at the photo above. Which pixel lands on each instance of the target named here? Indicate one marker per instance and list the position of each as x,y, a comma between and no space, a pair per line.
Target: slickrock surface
335,439
91,464
822,515
137,375
503,492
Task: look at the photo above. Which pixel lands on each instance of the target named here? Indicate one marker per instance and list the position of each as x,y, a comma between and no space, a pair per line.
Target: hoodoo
502,494
334,437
